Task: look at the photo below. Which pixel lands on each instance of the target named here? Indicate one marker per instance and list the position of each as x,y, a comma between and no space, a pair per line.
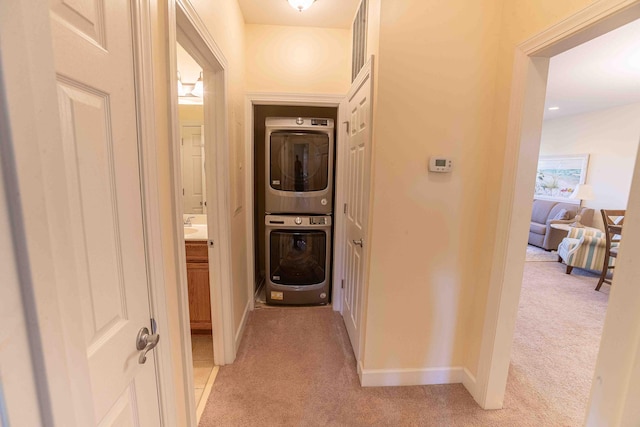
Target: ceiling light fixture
301,5
554,108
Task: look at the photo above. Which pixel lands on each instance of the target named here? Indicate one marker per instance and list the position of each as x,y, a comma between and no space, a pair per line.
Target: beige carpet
295,368
535,253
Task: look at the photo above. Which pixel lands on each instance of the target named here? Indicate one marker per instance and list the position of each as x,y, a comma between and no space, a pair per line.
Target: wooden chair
613,220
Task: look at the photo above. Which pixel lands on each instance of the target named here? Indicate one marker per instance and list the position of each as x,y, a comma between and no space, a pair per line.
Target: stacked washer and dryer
298,209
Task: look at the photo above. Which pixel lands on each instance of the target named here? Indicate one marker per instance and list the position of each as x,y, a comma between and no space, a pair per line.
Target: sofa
547,212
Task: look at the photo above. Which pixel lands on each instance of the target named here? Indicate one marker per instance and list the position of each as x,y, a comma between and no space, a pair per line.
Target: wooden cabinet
198,283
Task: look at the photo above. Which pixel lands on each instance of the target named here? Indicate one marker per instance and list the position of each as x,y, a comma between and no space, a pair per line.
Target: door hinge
210,243
347,125
183,191
345,208
181,141
342,283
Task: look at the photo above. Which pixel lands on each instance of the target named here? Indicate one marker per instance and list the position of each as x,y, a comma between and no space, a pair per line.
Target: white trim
469,381
274,98
143,69
409,377
525,123
243,324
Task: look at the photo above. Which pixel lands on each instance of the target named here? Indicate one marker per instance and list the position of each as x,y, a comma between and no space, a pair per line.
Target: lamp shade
301,5
583,192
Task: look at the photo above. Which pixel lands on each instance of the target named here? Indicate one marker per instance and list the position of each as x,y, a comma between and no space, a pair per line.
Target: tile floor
202,349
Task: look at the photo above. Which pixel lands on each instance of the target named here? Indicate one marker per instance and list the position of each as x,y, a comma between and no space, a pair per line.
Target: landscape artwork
558,176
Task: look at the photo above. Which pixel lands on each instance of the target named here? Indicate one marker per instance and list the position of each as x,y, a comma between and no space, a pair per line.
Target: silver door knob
357,242
146,342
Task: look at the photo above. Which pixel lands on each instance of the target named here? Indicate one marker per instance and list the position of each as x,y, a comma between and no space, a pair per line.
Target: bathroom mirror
191,117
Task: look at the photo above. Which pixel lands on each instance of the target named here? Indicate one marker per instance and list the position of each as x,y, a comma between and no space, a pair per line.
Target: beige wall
444,81
297,59
437,71
610,137
190,113
225,23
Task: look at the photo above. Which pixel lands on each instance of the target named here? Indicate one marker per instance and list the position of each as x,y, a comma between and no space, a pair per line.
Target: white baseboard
403,377
469,382
243,323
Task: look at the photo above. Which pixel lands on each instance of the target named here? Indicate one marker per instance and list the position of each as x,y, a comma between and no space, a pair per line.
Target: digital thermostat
440,164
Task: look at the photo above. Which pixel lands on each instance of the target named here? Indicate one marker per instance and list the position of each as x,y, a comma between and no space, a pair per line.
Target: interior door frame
185,26
42,228
522,148
291,99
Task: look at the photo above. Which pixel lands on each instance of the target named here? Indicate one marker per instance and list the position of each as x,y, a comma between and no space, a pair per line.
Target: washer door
298,257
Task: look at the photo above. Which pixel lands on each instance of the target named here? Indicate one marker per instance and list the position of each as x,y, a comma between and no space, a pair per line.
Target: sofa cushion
562,215
571,210
541,210
537,228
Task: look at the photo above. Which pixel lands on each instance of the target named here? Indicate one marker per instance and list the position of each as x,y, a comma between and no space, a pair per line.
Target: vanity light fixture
181,89
198,89
554,108
301,5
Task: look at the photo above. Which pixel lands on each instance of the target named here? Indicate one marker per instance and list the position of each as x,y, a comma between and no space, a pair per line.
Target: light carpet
536,254
295,367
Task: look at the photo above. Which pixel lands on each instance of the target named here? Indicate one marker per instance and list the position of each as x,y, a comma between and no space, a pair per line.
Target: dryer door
299,161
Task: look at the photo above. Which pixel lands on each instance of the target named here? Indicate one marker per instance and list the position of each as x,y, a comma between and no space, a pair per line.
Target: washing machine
298,259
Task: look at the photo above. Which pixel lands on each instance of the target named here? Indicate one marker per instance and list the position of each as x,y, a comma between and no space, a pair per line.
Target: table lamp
582,192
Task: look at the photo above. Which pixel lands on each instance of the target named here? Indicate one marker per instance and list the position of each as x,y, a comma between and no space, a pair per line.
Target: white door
93,54
193,177
358,168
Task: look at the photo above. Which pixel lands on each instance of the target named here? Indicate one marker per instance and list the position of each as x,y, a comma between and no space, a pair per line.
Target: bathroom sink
190,230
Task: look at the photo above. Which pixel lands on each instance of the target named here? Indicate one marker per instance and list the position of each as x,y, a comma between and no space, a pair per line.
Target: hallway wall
297,59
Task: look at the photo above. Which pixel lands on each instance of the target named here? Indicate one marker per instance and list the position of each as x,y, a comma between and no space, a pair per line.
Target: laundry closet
294,190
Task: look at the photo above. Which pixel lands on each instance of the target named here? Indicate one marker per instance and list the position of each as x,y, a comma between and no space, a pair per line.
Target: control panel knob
298,220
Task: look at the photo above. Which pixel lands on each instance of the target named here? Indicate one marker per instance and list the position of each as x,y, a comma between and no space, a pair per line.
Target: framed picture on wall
558,176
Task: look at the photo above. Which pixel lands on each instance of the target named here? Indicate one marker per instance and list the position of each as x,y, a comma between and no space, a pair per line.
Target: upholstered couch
545,213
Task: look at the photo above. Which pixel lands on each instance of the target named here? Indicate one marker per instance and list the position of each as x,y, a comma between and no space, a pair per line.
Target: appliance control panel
440,164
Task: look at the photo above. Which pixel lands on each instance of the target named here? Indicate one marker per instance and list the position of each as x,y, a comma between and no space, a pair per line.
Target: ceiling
602,73
323,13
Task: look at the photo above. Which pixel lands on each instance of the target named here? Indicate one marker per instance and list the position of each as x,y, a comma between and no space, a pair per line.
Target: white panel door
93,54
193,176
358,167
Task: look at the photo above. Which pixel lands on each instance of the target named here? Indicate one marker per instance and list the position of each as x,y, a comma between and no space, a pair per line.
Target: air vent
359,40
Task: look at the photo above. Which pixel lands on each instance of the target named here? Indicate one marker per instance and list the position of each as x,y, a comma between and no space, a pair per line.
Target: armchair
583,248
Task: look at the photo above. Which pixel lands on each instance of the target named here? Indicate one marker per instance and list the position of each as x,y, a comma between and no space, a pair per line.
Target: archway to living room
556,327
588,146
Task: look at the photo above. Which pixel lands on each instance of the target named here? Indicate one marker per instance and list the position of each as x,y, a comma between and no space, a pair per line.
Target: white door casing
358,174
93,54
193,176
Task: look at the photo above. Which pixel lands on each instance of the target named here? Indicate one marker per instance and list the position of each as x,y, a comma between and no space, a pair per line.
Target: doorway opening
199,165
588,145
523,145
260,114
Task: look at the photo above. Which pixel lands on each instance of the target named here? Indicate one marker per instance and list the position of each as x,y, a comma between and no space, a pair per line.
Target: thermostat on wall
440,164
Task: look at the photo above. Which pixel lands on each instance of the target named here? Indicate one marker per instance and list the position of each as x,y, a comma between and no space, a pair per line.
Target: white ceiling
323,13
602,73
187,66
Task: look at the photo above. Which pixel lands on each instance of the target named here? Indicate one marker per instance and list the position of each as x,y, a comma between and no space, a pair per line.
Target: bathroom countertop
195,232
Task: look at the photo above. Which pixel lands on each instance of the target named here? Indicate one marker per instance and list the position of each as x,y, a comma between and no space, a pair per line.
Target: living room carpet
536,254
295,367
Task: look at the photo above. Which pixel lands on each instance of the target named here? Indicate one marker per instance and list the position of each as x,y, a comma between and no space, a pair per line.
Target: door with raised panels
94,62
357,196
193,176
